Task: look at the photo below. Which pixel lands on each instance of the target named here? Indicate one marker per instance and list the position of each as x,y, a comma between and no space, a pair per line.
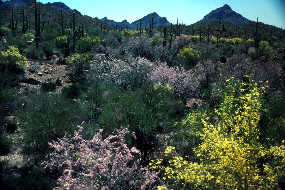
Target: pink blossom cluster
99,163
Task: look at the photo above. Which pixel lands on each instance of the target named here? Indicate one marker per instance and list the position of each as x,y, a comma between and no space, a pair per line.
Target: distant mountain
225,14
16,3
62,6
158,21
123,24
146,20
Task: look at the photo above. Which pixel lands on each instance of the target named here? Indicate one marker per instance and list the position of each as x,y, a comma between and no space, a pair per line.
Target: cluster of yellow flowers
231,155
13,56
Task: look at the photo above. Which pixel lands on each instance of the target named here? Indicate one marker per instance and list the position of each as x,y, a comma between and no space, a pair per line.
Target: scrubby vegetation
85,105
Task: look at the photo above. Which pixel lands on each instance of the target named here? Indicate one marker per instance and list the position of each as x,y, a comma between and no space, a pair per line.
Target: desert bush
128,74
4,31
87,43
5,145
236,41
47,117
231,154
99,163
185,84
189,57
141,47
265,49
35,53
48,48
144,111
13,56
77,62
28,37
112,39
61,41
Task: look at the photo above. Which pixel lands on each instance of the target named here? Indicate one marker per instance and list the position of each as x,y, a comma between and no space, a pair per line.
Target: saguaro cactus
37,24
171,36
141,28
61,22
256,38
164,36
13,23
73,31
24,22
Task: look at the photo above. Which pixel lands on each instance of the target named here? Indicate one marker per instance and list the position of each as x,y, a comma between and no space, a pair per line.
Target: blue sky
188,11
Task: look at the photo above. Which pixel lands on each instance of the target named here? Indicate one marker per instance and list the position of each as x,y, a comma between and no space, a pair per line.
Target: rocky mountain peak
225,14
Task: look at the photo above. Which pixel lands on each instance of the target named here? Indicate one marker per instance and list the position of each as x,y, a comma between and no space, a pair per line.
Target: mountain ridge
145,21
224,14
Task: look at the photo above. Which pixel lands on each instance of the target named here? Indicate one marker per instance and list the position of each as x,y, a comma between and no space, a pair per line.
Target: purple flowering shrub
185,84
99,163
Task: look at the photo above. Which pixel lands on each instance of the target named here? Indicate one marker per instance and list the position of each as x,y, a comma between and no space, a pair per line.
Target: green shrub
28,37
78,62
265,49
4,145
47,117
146,112
4,31
35,53
236,41
88,43
13,56
189,57
61,41
48,47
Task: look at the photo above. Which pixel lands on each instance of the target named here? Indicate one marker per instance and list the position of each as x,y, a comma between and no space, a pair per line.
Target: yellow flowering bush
188,57
236,41
230,155
88,43
13,56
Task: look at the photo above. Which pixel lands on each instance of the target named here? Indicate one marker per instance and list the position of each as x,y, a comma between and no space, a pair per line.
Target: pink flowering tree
99,163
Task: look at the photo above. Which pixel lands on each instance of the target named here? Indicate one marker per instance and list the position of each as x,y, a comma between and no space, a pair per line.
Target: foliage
189,57
61,41
28,37
47,117
99,163
13,56
265,49
87,43
4,144
141,47
231,155
145,112
132,73
185,84
4,31
48,47
35,53
78,62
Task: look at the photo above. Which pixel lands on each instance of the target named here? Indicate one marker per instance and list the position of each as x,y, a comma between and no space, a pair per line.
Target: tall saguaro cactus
13,23
61,22
164,36
256,38
171,36
73,31
24,22
141,28
37,24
